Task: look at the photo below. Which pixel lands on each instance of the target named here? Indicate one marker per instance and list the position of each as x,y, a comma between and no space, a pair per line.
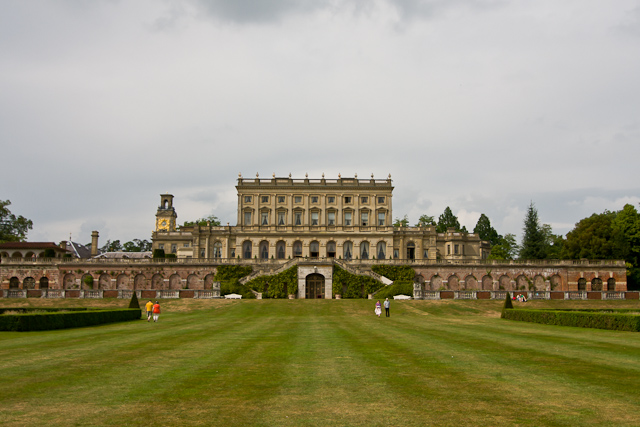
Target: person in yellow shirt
149,307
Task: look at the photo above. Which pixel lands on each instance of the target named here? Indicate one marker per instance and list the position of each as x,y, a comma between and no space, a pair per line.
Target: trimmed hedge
278,286
395,272
70,318
353,286
399,287
600,319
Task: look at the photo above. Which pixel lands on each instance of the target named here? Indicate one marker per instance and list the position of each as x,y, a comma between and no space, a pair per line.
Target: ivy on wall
395,272
353,286
277,286
229,276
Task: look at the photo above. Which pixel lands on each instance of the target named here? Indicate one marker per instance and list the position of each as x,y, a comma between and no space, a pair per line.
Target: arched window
217,250
596,284
264,250
314,249
381,250
347,250
364,250
331,249
280,249
246,250
582,284
611,284
297,248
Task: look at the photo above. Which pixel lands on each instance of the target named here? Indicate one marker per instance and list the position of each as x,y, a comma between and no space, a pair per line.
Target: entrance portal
315,286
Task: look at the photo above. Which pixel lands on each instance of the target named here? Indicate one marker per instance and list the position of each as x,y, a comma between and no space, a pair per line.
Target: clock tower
166,215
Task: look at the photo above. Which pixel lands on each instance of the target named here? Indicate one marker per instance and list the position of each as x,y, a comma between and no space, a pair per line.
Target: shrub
278,286
134,301
400,287
353,286
53,319
507,302
621,321
158,253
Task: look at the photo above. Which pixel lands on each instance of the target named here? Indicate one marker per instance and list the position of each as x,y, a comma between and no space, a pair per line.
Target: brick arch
505,283
596,284
43,283
539,283
157,281
104,281
487,283
29,283
69,281
471,283
555,282
611,284
122,282
193,282
140,282
175,281
436,282
453,283
522,284
14,283
87,281
208,281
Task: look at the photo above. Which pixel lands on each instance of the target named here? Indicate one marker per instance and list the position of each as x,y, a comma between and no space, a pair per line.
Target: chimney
94,243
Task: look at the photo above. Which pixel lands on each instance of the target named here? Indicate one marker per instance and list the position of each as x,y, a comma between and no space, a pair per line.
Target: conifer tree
534,242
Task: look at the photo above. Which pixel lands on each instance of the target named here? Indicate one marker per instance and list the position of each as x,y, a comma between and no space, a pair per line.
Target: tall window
381,218
247,218
217,250
264,250
246,250
280,248
264,218
314,249
364,250
297,248
347,250
382,248
364,219
314,218
174,248
331,249
347,218
331,218
297,218
280,218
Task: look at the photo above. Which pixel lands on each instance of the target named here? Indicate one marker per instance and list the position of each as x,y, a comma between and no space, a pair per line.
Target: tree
425,221
507,248
533,240
137,245
12,228
593,238
448,220
553,242
486,232
404,222
110,246
209,220
626,227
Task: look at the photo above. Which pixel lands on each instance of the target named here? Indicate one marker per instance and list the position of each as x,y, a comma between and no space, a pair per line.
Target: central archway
314,286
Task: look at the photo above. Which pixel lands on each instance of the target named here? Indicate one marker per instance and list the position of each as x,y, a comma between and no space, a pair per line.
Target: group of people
378,309
153,310
520,298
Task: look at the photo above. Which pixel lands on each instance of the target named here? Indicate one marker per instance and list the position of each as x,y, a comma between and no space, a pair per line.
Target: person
156,311
378,310
149,307
386,307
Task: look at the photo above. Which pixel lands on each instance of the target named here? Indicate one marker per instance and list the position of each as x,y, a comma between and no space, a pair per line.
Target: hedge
229,277
400,287
59,319
395,272
621,321
353,286
278,286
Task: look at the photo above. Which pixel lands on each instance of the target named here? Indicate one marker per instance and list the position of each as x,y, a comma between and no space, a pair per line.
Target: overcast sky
480,105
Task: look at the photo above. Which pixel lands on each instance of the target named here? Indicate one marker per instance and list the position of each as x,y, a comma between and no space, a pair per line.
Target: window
247,199
264,250
381,218
314,218
174,248
347,218
425,254
314,199
364,250
247,218
264,218
396,253
331,249
381,199
297,249
246,250
364,219
364,200
217,250
347,250
347,199
331,199
314,249
455,249
265,199
186,245
297,199
448,249
280,218
280,249
382,249
202,253
298,218
280,199
161,246
331,218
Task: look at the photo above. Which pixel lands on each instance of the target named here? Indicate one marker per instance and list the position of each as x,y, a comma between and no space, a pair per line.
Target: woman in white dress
378,310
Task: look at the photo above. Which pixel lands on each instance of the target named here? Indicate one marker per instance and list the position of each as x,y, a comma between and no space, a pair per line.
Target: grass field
321,363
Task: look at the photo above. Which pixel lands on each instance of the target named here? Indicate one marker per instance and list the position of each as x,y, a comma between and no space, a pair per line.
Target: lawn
321,363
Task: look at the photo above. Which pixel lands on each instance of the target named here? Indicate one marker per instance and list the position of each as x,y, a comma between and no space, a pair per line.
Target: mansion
286,218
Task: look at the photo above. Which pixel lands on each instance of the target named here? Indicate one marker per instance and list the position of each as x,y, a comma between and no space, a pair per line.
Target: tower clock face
164,223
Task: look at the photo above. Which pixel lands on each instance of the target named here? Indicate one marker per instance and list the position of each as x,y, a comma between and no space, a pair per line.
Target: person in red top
156,311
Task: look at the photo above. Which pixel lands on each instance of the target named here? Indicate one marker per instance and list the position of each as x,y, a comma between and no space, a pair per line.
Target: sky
484,106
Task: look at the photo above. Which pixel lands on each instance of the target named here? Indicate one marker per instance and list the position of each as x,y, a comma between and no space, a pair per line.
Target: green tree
209,220
12,228
593,238
137,245
554,242
404,222
110,246
626,230
507,248
486,232
534,244
448,220
425,221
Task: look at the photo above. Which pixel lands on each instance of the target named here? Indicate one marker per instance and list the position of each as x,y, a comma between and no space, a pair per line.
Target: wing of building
285,218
